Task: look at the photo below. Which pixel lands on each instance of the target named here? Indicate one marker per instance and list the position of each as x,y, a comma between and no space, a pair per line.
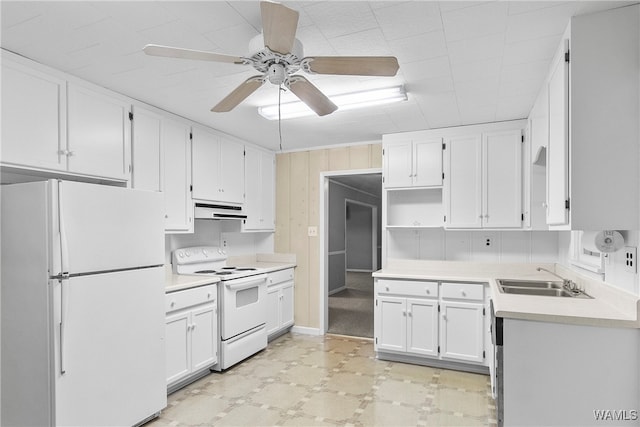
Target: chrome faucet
568,284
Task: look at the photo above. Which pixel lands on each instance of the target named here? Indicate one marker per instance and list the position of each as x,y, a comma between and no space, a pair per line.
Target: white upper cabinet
146,150
98,133
161,156
502,178
259,190
412,162
594,92
558,146
33,117
52,124
484,179
217,168
176,175
463,193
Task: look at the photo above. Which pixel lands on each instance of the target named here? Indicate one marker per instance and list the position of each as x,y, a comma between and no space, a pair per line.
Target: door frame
374,232
323,236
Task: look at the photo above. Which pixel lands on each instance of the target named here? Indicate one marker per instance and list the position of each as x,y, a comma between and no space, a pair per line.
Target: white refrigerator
82,305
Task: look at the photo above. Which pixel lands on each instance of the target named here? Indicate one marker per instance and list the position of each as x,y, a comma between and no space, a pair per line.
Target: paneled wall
298,207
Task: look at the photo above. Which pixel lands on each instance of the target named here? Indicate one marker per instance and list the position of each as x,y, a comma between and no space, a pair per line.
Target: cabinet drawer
463,291
280,276
190,297
414,288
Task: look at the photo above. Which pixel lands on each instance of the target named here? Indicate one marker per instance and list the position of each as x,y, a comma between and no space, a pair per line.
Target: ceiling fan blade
279,24
239,94
352,65
201,55
311,95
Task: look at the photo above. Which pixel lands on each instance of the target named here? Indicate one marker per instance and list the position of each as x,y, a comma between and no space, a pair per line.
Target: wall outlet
630,259
487,241
312,231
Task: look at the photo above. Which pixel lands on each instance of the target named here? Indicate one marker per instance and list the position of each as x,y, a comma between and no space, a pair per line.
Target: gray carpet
351,310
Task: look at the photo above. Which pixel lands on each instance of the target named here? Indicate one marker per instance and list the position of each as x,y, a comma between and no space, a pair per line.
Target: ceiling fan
277,54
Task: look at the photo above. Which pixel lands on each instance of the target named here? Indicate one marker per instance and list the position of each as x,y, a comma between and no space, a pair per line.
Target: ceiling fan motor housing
277,73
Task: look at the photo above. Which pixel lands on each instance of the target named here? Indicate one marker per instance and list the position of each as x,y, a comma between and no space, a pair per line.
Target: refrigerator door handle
63,306
64,249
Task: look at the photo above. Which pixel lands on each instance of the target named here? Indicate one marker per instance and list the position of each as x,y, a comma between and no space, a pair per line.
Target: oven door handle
250,282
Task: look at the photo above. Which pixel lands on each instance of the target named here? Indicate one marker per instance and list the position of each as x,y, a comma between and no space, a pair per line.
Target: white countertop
268,262
610,307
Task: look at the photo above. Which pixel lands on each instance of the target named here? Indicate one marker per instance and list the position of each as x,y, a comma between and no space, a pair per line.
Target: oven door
243,303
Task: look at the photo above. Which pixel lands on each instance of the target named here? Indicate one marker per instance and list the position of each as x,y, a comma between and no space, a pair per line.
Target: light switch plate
312,231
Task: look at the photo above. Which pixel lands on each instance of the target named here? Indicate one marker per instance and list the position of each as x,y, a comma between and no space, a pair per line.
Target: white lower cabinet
191,335
443,321
280,302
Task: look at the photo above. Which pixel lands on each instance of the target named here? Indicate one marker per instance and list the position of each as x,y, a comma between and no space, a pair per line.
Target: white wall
219,233
504,246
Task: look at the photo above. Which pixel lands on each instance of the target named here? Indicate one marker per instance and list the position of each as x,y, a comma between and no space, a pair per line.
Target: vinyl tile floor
332,380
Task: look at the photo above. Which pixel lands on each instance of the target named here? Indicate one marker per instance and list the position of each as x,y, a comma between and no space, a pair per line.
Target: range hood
219,212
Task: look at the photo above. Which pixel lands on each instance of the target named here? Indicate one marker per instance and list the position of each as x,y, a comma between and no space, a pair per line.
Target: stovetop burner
206,272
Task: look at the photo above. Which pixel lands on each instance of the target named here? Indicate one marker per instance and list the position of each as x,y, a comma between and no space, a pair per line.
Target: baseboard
306,330
335,291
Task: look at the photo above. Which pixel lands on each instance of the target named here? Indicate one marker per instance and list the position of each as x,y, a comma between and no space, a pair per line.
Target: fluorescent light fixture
345,101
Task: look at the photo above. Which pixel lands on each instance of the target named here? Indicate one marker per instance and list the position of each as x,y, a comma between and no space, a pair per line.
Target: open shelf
415,208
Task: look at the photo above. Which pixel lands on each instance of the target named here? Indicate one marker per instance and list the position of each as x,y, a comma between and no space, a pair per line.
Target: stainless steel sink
538,288
530,284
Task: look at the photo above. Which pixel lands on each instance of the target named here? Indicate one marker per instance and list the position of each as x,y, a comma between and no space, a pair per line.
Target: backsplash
476,246
224,234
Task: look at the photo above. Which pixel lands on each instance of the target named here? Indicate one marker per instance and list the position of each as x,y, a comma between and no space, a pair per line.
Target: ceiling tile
350,17
475,21
428,68
518,7
476,49
479,70
370,42
440,109
420,47
233,40
539,23
408,19
135,15
206,16
430,86
531,50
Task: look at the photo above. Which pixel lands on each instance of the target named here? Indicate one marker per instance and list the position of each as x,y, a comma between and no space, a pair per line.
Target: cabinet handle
428,291
173,303
404,313
464,294
70,153
410,314
387,289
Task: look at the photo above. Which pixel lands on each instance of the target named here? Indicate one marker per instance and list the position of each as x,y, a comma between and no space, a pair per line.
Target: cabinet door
204,337
259,190
502,179
463,195
273,309
231,172
391,324
178,346
268,195
286,303
146,151
205,158
558,149
33,117
422,327
98,133
176,181
427,163
398,165
461,327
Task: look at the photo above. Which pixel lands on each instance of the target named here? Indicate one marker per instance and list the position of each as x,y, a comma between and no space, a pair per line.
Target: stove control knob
205,253
187,253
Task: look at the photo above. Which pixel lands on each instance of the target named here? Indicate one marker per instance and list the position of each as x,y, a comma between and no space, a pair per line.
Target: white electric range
242,301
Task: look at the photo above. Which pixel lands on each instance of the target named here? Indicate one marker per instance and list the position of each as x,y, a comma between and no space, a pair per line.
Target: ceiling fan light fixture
345,101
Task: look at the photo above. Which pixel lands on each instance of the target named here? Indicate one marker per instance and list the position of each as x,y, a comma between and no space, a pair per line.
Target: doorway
351,252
